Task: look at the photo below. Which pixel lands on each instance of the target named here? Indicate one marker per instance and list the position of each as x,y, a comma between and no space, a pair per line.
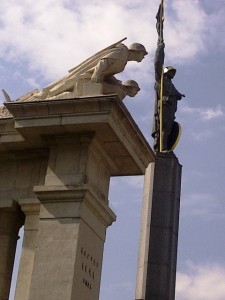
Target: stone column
11,220
74,216
71,235
160,247
31,209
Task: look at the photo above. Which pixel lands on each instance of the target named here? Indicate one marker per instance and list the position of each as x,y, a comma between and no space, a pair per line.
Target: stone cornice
108,117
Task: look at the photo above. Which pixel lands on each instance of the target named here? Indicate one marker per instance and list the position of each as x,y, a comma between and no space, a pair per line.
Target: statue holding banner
166,131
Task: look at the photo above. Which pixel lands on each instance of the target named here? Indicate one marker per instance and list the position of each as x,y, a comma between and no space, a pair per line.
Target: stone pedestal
11,220
159,232
62,154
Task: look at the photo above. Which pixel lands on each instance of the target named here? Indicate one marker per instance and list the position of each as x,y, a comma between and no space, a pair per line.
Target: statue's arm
101,69
174,92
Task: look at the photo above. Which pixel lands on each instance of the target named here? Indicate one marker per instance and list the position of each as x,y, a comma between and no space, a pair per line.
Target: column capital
77,196
30,206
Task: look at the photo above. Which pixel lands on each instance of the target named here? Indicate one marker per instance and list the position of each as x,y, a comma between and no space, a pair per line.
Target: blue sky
41,40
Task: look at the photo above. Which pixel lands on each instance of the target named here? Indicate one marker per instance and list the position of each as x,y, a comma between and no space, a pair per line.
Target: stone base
91,89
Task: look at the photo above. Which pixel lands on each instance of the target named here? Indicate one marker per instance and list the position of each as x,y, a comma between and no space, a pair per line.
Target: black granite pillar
162,256
159,230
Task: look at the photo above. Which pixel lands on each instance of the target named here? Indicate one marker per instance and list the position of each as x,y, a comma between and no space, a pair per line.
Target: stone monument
156,275
59,147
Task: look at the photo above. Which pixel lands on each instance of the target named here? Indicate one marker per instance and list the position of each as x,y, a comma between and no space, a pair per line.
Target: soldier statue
164,89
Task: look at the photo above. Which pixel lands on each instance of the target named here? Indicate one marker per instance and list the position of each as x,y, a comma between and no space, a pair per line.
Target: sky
41,40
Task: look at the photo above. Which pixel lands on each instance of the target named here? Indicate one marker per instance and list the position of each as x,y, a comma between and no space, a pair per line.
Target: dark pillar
156,274
162,255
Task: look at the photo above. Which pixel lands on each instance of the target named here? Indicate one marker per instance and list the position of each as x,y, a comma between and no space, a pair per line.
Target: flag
160,19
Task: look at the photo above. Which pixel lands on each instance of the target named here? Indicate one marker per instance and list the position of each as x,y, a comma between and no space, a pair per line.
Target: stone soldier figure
100,68
128,88
94,76
170,94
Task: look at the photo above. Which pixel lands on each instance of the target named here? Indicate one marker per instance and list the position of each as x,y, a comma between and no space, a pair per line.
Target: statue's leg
101,69
66,86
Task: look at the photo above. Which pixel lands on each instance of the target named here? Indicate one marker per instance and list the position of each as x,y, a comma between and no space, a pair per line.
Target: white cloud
204,113
201,283
186,29
210,113
53,36
199,121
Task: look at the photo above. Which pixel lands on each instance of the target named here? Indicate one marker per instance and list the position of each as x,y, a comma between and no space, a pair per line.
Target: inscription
87,283
89,267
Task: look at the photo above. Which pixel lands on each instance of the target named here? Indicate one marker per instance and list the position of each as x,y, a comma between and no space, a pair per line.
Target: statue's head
169,71
137,51
131,88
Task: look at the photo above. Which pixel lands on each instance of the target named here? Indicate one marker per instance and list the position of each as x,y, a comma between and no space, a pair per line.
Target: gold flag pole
161,114
161,90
